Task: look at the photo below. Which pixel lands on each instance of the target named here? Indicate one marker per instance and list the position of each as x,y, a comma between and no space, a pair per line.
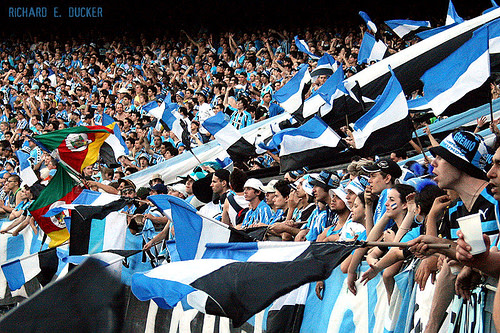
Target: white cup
470,226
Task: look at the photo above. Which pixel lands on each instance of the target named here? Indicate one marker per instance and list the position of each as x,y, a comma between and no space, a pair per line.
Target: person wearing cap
269,190
355,188
156,179
319,220
300,206
258,211
177,190
341,213
458,165
383,175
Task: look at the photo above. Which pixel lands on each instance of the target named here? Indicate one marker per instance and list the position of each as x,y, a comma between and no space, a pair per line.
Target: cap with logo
358,184
466,151
385,165
325,179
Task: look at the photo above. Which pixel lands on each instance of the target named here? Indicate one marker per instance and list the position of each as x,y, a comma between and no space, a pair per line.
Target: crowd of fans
45,86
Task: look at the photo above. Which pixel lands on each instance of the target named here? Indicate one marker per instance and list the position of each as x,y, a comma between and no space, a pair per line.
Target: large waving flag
494,44
387,125
25,170
369,22
303,47
322,99
98,299
96,227
404,27
193,232
326,66
452,16
239,280
291,95
61,189
371,49
419,104
114,146
229,138
77,147
305,145
19,271
464,70
166,114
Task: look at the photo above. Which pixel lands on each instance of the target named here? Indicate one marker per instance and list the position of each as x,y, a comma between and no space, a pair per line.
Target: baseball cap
466,151
325,178
198,175
254,183
160,188
385,165
181,188
358,184
339,192
269,188
306,184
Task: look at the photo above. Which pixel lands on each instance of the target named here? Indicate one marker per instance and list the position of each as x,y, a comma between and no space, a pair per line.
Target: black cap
385,165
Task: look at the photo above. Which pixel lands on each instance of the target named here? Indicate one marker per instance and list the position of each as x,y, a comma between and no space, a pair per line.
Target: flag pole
491,102
397,244
418,139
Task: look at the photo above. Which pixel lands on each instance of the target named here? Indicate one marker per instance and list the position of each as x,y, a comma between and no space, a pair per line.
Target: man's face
217,185
494,175
319,193
249,193
189,186
336,204
378,182
270,198
446,174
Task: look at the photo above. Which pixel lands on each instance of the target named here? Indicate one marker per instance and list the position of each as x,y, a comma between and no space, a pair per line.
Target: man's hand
369,274
351,282
463,251
467,280
428,267
320,289
420,245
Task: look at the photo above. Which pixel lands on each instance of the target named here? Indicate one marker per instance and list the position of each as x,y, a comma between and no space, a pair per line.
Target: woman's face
394,204
358,211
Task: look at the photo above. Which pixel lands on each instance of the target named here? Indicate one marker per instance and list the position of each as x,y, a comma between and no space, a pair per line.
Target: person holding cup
458,165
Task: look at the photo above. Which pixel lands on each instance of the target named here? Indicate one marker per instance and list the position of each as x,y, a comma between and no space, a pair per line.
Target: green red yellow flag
78,146
62,189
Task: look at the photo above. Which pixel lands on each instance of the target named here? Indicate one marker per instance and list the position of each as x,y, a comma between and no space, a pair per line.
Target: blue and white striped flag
114,146
371,49
305,145
192,231
303,47
387,124
26,172
369,22
464,70
404,27
326,66
229,137
322,99
290,96
452,16
223,283
19,271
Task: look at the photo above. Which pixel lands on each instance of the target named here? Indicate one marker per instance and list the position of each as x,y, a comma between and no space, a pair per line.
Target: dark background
168,17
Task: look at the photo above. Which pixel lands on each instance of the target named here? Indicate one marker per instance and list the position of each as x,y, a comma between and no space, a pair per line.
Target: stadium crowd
45,86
